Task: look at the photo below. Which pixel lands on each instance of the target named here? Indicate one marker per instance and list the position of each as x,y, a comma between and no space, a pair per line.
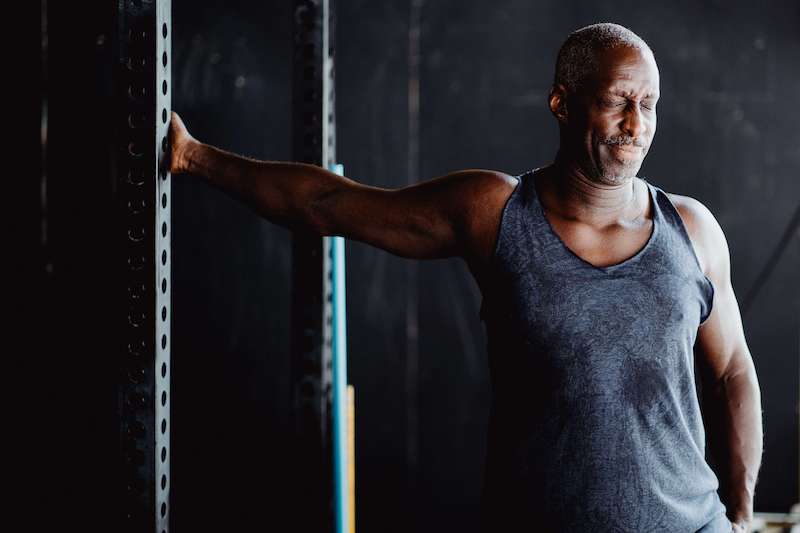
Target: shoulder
481,196
476,193
485,182
704,231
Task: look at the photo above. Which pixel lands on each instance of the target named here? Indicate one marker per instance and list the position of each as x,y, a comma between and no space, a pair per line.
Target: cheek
604,125
597,133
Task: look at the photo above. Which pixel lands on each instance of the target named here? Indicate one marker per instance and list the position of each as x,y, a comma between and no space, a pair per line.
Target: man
600,291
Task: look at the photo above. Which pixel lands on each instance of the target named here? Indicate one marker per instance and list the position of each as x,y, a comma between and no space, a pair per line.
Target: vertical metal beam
313,142
412,270
341,453
142,96
106,239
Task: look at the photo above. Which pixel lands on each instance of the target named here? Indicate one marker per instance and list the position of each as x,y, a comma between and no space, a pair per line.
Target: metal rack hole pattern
163,298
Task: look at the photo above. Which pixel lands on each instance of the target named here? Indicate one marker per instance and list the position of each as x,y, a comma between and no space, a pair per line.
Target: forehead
626,68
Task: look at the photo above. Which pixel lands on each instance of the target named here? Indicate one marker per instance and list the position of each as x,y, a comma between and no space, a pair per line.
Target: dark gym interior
422,88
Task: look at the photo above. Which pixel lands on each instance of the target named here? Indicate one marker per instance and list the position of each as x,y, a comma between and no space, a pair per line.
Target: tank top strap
540,227
676,235
676,239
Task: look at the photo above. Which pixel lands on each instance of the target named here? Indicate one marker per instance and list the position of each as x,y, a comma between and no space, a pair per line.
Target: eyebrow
626,94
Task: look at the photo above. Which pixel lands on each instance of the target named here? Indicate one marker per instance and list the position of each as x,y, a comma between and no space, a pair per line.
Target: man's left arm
729,382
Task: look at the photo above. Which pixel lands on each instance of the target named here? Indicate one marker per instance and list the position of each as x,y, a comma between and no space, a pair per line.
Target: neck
573,194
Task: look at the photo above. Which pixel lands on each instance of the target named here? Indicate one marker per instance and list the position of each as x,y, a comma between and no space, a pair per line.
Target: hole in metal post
136,375
136,262
136,430
136,176
136,234
135,120
135,291
136,348
137,205
136,63
134,149
136,91
136,318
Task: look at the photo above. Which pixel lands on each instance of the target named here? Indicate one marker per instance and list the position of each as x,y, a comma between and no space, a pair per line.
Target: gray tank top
595,423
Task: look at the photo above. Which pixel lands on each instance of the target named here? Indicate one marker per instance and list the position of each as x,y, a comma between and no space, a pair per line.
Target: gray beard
613,179
606,176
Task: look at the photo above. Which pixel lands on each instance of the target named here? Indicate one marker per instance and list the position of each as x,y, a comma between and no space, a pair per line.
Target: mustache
623,140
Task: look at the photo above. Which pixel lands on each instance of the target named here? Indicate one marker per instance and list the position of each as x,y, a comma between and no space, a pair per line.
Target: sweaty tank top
595,424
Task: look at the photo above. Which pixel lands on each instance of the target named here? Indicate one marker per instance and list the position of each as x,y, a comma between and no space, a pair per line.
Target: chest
602,248
568,310
590,337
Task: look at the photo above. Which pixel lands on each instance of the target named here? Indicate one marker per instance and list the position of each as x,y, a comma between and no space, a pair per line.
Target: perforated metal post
142,89
313,142
342,456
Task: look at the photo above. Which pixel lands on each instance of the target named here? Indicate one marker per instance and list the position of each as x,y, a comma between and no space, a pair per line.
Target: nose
633,123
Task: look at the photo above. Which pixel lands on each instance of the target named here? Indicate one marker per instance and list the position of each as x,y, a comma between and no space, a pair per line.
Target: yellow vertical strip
351,457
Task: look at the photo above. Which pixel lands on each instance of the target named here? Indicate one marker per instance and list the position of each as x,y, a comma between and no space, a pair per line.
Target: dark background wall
727,136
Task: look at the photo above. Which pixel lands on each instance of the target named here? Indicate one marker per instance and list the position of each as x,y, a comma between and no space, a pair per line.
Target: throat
602,237
573,198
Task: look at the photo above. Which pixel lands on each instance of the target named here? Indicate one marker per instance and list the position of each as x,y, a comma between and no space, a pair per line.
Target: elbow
739,369
315,215
737,386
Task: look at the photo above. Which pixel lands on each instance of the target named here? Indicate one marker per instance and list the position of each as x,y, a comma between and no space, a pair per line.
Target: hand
181,142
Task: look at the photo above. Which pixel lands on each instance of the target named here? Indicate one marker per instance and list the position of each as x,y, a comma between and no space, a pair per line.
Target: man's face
612,119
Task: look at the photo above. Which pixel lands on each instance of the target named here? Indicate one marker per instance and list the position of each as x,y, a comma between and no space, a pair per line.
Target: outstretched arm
730,385
447,216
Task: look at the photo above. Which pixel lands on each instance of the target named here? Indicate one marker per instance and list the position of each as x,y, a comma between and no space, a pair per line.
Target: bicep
406,222
428,220
721,345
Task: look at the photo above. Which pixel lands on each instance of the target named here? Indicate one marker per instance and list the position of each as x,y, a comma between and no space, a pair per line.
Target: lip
626,151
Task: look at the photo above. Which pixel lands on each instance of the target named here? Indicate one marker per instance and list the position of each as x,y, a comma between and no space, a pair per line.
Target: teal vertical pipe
339,338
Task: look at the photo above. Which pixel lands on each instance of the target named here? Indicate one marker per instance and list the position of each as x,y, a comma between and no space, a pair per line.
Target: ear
558,102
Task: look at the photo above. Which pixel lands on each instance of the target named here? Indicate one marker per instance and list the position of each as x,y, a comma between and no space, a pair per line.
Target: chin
614,180
618,174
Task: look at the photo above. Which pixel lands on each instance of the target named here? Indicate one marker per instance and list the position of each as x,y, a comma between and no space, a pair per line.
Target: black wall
727,136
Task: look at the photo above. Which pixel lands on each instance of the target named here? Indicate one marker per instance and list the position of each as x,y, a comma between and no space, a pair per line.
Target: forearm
281,191
740,446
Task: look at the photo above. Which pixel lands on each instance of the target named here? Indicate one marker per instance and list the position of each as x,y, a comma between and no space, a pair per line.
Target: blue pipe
336,250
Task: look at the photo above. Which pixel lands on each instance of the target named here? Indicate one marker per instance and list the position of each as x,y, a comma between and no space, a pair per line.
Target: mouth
626,152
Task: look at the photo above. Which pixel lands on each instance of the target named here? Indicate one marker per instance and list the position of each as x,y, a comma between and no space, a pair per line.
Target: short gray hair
577,57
